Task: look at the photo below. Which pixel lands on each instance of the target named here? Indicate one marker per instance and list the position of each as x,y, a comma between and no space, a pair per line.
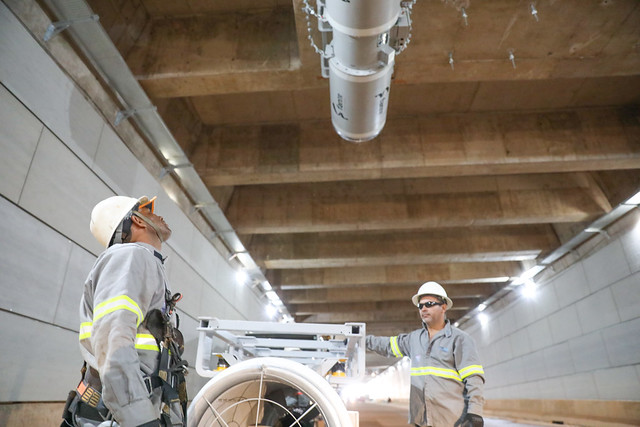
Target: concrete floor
374,414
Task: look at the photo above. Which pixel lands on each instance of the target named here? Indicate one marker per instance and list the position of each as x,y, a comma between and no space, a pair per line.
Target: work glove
473,420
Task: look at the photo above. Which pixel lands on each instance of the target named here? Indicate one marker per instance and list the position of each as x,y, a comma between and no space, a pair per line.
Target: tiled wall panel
19,135
33,262
58,158
606,266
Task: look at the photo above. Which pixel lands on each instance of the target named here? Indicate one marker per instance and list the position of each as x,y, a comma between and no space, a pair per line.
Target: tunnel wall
58,157
578,339
569,355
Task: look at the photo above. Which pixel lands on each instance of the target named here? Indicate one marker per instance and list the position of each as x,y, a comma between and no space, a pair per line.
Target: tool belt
86,400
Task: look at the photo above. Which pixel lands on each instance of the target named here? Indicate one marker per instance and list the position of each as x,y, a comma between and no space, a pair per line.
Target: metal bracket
234,255
57,27
125,114
171,168
199,206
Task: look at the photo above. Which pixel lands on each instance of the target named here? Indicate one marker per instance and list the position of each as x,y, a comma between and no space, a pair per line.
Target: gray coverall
127,281
447,379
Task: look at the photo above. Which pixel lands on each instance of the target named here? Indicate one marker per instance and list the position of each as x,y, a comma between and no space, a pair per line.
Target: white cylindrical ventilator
361,68
266,391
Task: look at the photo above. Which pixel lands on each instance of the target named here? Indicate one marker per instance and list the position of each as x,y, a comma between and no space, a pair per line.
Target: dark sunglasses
429,304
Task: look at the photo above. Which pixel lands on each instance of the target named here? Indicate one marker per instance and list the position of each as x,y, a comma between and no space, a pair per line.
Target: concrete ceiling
482,167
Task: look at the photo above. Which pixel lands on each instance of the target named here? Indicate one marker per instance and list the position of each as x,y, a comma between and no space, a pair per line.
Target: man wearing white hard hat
133,373
447,378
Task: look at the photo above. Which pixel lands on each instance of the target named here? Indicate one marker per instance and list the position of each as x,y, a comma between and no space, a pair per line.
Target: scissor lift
336,352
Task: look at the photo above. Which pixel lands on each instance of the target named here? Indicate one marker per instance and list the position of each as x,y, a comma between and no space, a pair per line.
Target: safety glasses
429,304
149,205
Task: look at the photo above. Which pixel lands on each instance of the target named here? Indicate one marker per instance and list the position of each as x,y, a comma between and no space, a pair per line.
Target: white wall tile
493,377
494,331
580,386
546,301
617,383
589,352
184,230
62,191
19,135
34,78
535,366
520,342
503,350
606,266
558,360
507,320
487,355
623,343
513,371
33,262
67,310
528,390
564,324
212,266
552,388
571,285
597,311
626,294
215,305
116,164
184,280
43,362
539,334
525,312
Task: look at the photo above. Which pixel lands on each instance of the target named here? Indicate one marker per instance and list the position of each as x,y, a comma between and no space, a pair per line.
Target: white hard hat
432,288
109,213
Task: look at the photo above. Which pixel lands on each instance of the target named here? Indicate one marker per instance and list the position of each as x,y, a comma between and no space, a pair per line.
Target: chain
407,6
309,11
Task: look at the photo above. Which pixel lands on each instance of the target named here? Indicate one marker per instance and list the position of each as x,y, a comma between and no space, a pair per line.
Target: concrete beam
413,204
505,243
470,144
394,274
384,294
382,317
204,52
356,308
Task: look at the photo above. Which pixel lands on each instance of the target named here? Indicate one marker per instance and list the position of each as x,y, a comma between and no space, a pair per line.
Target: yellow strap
470,370
394,347
438,372
121,302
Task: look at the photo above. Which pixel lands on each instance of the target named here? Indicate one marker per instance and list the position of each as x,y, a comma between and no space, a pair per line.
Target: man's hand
473,420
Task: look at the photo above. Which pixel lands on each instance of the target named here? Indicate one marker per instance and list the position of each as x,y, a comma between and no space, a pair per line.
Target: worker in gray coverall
447,378
133,374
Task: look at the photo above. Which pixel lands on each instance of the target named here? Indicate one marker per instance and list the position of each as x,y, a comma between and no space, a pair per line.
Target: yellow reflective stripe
146,342
470,370
394,347
438,372
121,302
85,330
